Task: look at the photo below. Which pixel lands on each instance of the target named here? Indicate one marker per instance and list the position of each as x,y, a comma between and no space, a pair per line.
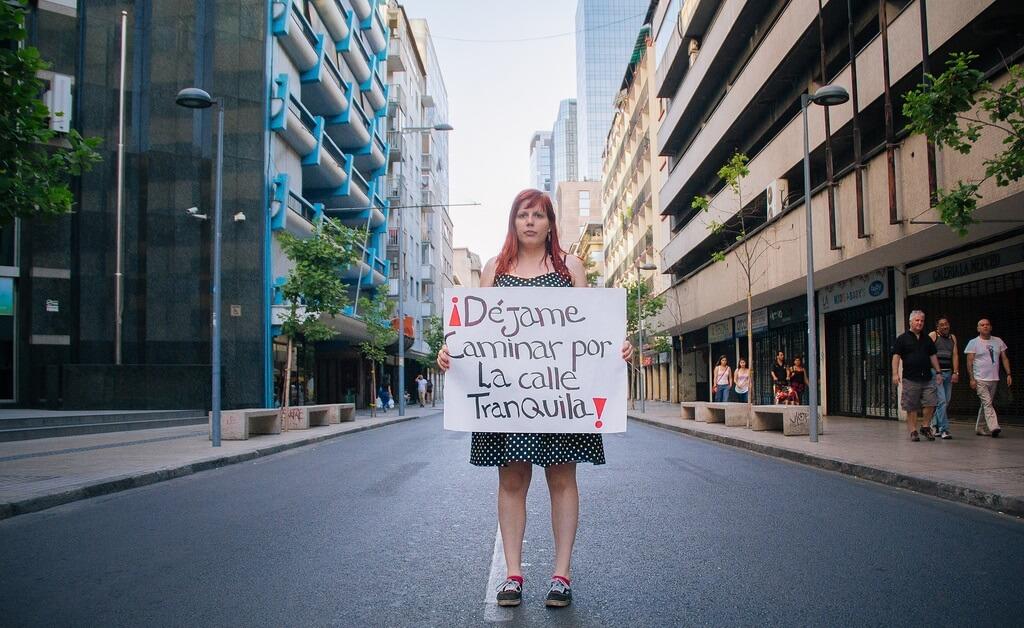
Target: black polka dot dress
497,449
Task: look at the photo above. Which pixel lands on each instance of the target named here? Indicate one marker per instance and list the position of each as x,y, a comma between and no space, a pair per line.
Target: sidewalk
43,473
981,471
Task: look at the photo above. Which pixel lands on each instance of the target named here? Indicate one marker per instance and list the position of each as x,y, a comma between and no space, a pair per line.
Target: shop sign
855,291
6,296
760,318
722,330
958,271
787,312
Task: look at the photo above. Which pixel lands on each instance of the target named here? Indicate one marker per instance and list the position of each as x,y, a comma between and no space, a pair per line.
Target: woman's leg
565,512
513,483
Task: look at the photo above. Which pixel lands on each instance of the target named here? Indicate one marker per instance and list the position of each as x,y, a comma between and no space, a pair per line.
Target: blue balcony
336,17
326,168
289,119
359,59
363,8
295,34
354,193
374,155
324,91
376,93
370,271
375,31
290,211
350,130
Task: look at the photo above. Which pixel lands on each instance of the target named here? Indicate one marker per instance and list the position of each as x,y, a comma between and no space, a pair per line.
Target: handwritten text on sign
535,360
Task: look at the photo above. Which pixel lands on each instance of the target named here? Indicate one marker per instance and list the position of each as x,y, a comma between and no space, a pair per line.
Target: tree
641,306
748,245
314,286
590,266
943,109
376,312
433,335
35,171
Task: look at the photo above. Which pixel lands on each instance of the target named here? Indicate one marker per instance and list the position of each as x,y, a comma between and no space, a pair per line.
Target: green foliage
589,266
314,285
649,305
941,107
661,344
377,312
433,335
34,174
734,171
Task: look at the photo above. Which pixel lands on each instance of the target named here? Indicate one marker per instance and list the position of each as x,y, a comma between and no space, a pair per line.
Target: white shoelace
510,585
557,586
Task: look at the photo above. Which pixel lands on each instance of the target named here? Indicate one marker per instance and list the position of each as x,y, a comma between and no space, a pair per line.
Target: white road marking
493,612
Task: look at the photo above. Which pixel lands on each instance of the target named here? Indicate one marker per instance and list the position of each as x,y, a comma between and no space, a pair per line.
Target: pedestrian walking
780,381
421,389
798,380
984,354
722,380
949,362
741,382
533,257
430,392
915,350
384,393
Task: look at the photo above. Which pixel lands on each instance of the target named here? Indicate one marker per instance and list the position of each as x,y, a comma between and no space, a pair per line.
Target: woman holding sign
532,257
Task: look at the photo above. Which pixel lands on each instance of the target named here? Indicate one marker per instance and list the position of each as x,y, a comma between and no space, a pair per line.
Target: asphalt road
392,527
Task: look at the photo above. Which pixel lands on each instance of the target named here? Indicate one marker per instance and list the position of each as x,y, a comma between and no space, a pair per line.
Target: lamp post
195,98
827,96
640,333
442,126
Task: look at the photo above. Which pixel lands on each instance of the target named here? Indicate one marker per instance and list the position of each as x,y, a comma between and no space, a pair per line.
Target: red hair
510,250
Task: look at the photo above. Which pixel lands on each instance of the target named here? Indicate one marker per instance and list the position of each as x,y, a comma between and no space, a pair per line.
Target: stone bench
241,424
305,417
792,420
689,409
733,414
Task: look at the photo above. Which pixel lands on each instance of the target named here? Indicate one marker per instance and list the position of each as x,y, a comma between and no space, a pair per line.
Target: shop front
986,281
860,326
722,340
694,365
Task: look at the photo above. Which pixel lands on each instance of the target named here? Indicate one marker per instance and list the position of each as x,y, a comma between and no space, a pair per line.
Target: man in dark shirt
916,351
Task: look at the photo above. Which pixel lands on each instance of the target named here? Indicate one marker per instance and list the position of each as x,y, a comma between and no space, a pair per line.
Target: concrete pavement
40,474
977,470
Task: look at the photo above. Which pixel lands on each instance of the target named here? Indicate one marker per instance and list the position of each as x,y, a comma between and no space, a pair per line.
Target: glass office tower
605,34
564,144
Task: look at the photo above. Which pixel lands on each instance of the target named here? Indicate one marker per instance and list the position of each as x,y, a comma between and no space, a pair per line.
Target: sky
499,94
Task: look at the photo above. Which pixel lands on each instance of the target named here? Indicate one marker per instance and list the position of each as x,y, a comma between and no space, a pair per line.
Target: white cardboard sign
540,360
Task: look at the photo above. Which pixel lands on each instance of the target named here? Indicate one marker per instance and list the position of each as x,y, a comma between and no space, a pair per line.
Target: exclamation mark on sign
599,406
455,321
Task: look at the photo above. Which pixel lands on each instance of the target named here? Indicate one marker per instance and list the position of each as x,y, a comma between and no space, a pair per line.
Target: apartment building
304,99
419,232
576,202
733,73
633,227
467,268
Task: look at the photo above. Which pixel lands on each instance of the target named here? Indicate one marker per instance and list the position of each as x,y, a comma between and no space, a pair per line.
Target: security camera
239,217
194,213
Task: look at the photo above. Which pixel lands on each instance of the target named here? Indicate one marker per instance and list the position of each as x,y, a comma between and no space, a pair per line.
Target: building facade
304,90
564,142
467,268
576,203
733,76
605,33
631,175
540,162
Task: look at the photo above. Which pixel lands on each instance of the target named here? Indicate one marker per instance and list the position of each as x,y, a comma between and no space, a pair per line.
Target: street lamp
441,126
640,339
827,96
195,98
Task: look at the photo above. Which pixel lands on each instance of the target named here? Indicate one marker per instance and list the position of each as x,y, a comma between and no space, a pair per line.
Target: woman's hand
627,351
443,360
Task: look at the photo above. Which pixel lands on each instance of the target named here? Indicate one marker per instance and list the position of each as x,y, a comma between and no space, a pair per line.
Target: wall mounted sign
855,291
722,330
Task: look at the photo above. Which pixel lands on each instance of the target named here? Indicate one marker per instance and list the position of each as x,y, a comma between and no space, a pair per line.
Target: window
585,200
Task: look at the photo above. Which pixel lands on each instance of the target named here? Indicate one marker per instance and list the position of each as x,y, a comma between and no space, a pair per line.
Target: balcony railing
324,90
336,17
295,34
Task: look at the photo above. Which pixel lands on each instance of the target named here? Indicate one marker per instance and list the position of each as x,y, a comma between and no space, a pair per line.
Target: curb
124,483
983,499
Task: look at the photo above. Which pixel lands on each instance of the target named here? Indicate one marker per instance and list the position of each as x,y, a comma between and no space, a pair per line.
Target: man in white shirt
984,354
421,389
